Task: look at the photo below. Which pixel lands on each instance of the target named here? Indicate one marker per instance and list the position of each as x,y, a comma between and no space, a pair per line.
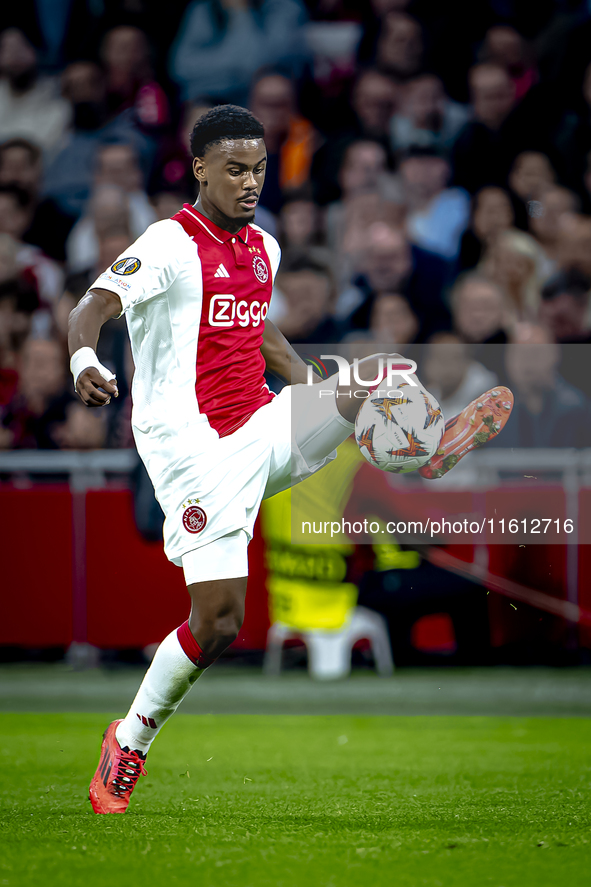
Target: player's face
231,177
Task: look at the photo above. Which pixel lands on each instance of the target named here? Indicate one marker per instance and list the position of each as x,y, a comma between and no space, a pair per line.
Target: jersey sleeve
147,269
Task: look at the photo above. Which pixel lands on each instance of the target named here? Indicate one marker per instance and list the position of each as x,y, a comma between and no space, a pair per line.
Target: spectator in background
452,375
486,145
363,171
9,270
478,310
565,307
574,244
505,47
167,203
17,303
19,300
373,100
41,398
300,224
363,168
399,49
547,215
82,429
172,170
426,116
222,43
113,238
392,320
492,212
389,263
333,38
69,177
8,372
573,135
21,165
16,212
30,106
125,54
308,291
111,231
531,174
437,215
290,139
360,213
565,313
374,13
492,95
515,262
117,166
548,412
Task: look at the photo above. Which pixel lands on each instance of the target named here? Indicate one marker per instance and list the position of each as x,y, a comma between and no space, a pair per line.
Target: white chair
329,652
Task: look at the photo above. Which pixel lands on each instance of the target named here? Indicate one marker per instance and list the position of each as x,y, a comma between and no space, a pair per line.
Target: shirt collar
220,234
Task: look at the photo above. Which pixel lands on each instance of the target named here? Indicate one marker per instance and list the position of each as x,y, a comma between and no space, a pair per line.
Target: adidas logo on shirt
221,272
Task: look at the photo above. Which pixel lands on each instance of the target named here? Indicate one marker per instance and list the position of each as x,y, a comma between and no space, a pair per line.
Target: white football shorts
215,488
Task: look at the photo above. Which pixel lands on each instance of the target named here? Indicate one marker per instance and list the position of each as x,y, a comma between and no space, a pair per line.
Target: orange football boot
116,775
481,420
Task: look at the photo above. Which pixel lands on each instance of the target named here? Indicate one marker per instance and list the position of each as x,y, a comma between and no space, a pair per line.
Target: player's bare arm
280,357
84,326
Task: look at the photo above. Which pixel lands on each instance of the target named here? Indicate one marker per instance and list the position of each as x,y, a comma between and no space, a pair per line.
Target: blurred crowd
429,180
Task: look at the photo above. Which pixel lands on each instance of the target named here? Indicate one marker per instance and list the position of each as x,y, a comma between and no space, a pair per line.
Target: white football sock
166,683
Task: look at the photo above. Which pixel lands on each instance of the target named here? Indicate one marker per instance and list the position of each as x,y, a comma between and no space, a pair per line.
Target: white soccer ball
399,434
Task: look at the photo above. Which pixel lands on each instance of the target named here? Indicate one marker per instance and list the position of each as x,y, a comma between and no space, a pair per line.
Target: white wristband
83,359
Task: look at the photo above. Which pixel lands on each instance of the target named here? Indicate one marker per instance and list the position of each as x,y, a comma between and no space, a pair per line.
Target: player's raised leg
217,612
323,415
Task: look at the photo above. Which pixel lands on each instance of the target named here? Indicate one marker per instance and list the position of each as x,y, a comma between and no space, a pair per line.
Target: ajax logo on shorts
194,518
260,269
126,266
224,310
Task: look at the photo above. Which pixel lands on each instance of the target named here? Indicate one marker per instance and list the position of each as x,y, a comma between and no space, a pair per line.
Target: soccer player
195,290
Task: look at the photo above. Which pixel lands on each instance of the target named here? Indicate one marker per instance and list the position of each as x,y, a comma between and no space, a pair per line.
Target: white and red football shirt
237,287
195,299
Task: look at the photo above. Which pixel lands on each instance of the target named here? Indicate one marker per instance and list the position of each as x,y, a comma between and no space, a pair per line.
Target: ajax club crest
194,517
260,269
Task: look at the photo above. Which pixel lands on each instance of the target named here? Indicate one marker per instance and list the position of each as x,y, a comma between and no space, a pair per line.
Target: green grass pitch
339,801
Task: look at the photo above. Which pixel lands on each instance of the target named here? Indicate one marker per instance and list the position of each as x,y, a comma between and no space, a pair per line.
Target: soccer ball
399,434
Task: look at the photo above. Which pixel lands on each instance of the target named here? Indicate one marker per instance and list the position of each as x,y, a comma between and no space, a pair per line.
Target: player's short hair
221,123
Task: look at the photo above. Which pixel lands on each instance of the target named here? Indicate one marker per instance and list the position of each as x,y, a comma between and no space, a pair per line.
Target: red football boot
482,419
116,775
